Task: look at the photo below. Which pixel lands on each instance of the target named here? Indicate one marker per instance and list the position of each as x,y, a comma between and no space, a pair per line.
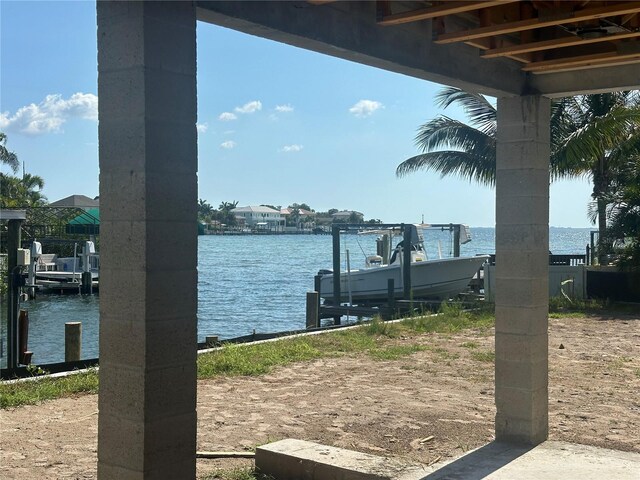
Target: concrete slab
547,461
296,459
292,459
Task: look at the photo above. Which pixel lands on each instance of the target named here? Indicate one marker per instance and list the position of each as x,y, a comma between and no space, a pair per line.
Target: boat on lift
439,279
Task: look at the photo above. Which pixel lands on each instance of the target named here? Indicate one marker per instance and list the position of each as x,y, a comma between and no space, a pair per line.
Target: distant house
305,219
347,216
260,217
301,211
78,201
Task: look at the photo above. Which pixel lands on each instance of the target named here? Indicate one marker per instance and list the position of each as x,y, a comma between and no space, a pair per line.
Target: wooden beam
446,8
544,20
484,44
552,44
582,62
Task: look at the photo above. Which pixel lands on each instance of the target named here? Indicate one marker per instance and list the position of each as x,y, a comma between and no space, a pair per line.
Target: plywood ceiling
543,36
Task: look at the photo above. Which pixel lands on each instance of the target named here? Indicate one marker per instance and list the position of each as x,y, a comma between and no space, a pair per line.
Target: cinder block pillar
522,257
148,241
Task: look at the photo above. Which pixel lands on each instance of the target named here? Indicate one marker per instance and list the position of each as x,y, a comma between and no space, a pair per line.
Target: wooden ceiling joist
582,62
513,50
554,19
541,36
446,8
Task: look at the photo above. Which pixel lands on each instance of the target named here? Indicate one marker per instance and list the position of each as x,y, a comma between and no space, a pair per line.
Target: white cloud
250,107
365,108
291,148
228,145
228,132
227,116
50,114
284,108
202,127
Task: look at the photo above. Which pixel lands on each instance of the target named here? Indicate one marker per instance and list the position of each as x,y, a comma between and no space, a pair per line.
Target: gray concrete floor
292,459
547,461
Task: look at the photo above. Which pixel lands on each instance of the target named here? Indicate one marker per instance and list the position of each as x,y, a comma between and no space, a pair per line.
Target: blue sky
277,124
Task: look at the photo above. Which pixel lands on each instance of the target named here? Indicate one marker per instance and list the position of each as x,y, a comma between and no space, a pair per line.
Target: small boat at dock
438,279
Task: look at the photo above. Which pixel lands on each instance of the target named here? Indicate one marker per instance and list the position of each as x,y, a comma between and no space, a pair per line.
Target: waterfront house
298,218
260,217
347,216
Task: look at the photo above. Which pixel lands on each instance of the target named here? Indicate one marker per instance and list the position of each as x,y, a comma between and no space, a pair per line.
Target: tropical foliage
16,192
624,226
22,192
596,135
591,135
7,157
223,215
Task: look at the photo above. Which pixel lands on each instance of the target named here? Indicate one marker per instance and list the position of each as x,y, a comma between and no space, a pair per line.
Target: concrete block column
522,258
148,242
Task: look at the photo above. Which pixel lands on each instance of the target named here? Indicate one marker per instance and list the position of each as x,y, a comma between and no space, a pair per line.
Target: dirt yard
388,408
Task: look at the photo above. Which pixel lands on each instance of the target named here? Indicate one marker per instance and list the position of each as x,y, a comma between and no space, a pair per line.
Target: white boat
430,279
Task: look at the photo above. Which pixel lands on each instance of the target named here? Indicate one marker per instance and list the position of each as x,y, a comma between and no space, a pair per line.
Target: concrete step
292,459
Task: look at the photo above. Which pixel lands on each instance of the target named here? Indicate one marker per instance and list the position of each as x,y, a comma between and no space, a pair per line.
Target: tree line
301,214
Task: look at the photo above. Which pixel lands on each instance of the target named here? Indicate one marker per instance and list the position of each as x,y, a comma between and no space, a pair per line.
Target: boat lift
459,230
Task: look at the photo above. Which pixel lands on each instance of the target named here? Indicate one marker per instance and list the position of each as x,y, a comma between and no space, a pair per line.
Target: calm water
251,282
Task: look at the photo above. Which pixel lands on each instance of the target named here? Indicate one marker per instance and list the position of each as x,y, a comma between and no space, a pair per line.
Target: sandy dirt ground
388,408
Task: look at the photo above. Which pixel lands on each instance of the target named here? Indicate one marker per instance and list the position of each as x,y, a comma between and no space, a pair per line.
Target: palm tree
7,157
205,210
590,135
624,226
595,135
21,192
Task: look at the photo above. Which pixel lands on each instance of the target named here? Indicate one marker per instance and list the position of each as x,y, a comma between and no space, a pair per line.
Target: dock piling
87,284
313,312
23,338
72,341
391,293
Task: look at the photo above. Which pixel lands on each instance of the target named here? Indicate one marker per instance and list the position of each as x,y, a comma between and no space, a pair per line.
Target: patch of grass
445,354
453,318
374,339
470,345
248,360
561,307
32,392
394,352
380,328
484,356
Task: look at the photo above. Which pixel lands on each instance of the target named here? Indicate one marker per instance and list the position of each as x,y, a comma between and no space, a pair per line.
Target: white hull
431,279
63,276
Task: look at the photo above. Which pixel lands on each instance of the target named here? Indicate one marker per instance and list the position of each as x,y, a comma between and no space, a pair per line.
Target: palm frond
597,138
479,168
479,110
444,132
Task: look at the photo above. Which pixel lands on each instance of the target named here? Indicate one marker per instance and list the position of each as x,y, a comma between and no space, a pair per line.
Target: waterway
252,282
